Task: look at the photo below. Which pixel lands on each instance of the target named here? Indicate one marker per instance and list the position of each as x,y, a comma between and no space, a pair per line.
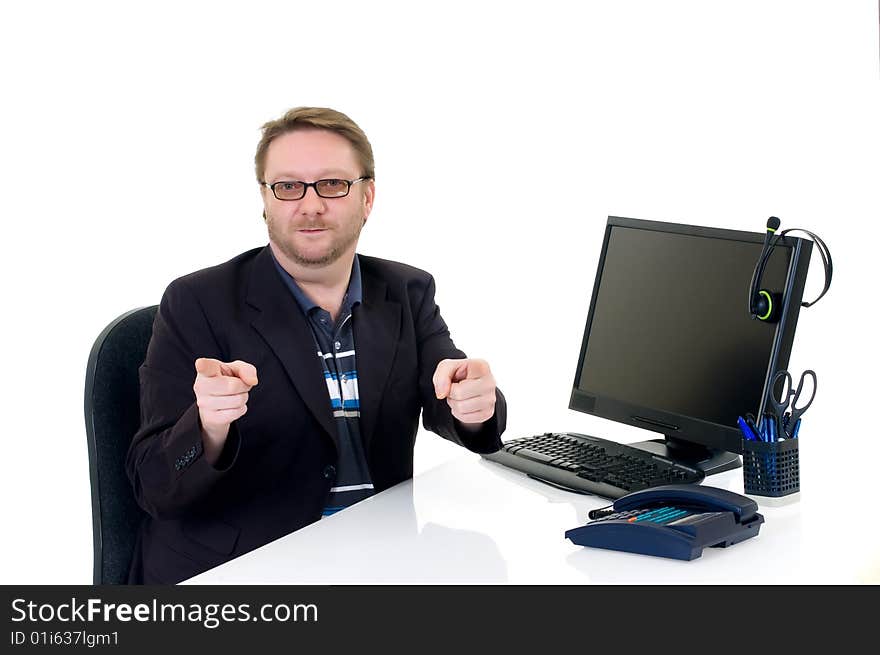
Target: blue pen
745,429
797,427
750,420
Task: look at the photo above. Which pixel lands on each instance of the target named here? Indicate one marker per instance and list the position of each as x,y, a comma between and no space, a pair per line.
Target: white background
126,147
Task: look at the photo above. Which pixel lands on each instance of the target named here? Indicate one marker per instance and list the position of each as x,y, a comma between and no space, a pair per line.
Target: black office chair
112,409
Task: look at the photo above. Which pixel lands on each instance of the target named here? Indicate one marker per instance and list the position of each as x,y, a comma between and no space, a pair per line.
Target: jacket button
329,471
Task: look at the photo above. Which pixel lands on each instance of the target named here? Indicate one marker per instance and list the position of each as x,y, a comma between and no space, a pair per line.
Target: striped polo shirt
334,344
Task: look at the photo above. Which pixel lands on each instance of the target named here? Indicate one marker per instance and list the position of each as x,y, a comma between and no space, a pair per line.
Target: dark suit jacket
277,468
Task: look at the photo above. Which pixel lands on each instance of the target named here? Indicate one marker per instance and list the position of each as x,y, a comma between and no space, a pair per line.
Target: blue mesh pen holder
771,469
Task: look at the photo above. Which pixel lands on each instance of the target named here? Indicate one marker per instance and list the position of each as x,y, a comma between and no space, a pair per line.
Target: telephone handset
676,520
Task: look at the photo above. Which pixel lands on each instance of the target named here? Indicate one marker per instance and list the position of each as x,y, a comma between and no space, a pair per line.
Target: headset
766,305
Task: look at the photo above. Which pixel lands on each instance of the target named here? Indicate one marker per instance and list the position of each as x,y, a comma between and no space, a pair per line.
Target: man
287,383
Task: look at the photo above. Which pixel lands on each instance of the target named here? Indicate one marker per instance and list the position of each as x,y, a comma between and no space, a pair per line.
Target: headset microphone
763,305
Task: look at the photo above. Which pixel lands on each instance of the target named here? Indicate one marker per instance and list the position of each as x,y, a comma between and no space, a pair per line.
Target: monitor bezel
679,427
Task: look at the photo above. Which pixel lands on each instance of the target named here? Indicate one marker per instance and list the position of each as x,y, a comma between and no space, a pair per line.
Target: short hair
316,118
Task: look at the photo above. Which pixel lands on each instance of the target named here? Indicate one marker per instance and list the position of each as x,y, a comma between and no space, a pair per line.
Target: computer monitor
669,344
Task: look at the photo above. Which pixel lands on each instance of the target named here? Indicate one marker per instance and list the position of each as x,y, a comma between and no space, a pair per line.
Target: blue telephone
675,520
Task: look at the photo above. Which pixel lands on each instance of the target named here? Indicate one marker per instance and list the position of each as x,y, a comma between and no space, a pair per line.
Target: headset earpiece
766,306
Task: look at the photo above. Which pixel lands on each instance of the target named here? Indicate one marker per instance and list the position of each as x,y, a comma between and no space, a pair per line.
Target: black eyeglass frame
314,185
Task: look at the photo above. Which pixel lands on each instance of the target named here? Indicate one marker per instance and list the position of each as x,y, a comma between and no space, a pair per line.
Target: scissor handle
781,404
795,410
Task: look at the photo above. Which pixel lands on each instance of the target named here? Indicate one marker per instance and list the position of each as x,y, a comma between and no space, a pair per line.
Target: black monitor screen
670,329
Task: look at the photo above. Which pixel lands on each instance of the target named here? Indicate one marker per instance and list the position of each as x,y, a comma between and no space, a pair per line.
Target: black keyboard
591,465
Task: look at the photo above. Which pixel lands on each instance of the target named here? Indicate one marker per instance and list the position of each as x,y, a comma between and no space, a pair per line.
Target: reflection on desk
474,521
377,541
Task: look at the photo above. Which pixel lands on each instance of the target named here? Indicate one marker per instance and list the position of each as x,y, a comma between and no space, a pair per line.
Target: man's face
314,231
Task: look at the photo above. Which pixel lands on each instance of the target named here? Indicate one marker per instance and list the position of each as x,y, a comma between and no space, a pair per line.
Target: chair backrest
112,412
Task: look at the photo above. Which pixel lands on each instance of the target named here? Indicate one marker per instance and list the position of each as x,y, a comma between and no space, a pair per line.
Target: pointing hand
221,390
469,389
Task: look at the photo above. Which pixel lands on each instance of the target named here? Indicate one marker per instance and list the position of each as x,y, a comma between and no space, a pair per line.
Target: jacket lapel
376,333
284,327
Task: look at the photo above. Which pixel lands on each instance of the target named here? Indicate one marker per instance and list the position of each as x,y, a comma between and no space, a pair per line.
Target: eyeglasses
296,189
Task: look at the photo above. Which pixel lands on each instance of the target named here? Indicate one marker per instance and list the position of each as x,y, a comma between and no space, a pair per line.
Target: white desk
474,521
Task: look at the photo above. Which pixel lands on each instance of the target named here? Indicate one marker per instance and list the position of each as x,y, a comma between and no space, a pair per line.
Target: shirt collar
353,295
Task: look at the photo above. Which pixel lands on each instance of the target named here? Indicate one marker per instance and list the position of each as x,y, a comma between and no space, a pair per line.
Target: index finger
244,371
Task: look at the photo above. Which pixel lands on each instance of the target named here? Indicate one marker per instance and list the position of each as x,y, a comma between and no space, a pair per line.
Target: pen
750,420
746,429
797,427
771,427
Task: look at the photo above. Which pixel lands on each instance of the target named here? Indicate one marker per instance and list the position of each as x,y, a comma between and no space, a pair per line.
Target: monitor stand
707,460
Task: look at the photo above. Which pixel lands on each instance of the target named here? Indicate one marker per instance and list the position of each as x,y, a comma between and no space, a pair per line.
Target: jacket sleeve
165,462
435,345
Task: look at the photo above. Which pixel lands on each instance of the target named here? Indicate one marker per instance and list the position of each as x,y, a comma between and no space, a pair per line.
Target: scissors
786,411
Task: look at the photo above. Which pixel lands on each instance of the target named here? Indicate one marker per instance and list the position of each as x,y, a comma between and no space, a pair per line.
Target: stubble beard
338,246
